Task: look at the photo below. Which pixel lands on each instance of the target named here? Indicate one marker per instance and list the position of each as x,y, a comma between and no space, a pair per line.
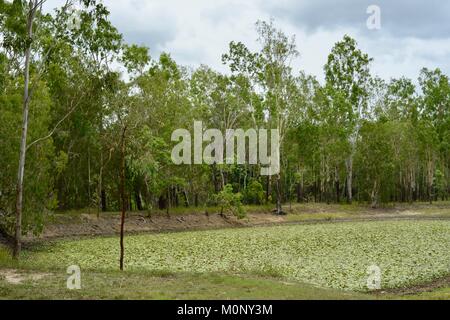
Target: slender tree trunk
186,199
175,196
101,205
168,203
89,180
214,176
196,200
100,187
411,187
268,188
279,207
104,202
123,198
315,188
350,180
299,193
222,177
23,140
430,178
302,189
337,185
374,195
138,199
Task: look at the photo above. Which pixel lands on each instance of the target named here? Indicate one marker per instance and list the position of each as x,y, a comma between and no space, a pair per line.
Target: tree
33,7
271,71
125,111
435,111
32,43
230,202
348,77
278,52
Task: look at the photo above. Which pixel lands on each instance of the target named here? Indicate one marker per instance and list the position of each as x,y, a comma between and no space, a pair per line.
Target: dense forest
86,121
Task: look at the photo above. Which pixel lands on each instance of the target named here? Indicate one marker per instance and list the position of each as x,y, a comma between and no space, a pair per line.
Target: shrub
230,202
254,193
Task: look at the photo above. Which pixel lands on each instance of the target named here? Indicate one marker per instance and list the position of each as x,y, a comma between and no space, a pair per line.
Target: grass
131,285
438,294
156,285
180,286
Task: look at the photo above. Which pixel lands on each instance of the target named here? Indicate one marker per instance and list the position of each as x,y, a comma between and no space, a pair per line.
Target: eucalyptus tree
402,104
307,134
223,104
246,68
20,33
375,158
435,113
277,54
164,94
100,43
31,10
40,40
271,72
347,76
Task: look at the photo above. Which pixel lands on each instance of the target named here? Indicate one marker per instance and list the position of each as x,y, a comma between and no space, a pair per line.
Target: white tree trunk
23,140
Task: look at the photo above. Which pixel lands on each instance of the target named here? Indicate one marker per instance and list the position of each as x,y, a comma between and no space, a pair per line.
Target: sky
413,34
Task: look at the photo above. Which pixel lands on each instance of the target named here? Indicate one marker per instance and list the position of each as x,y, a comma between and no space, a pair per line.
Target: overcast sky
414,34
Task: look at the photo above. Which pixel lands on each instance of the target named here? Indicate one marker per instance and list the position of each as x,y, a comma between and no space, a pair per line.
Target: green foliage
135,58
377,143
440,184
254,193
40,160
230,202
347,73
393,140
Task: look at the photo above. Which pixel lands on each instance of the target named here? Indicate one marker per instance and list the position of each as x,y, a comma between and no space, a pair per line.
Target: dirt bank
90,225
80,225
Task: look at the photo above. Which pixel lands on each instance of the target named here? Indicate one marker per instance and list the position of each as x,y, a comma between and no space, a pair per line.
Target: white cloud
199,31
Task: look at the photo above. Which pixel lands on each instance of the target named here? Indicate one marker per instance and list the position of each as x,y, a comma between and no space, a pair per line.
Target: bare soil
109,224
17,277
89,225
417,289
